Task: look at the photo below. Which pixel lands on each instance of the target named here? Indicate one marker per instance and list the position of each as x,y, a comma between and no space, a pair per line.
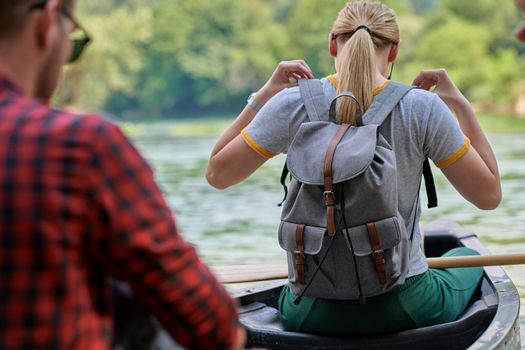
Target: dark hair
13,15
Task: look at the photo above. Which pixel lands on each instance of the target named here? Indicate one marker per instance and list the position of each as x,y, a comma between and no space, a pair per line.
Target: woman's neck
382,67
379,78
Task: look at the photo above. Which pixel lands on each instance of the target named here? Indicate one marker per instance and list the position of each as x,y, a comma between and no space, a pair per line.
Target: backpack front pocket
379,251
305,247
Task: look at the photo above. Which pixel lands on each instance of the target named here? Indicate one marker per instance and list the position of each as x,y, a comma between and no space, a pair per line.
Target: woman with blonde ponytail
373,27
364,43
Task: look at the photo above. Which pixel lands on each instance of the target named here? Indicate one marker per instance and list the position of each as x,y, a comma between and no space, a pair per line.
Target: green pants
434,297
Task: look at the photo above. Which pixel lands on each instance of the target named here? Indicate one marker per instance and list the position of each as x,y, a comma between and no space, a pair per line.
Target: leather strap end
330,220
377,252
300,263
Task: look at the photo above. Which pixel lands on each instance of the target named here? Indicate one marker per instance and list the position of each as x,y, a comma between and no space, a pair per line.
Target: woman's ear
333,45
392,55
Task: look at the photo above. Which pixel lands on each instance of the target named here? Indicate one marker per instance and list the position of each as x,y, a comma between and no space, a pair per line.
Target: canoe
490,321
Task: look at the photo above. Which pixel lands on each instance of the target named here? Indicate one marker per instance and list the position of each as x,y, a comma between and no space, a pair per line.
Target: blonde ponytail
356,70
360,29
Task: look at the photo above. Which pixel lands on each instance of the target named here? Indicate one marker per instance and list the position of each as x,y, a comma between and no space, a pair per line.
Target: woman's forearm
242,121
229,164
244,118
231,160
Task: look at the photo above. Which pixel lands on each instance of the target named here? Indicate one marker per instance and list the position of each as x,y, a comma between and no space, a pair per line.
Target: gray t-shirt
420,126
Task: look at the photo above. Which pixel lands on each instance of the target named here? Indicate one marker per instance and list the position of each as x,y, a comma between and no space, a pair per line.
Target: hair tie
362,26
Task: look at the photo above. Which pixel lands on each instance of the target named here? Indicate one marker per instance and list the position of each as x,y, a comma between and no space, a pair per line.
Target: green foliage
114,60
168,58
464,57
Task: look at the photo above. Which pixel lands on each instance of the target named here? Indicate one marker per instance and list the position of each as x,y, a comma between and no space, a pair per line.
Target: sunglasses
79,37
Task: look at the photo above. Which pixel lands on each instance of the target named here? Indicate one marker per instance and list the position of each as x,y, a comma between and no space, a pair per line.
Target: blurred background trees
172,58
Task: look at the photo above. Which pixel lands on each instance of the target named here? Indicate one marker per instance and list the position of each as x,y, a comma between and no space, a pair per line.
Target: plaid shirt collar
6,84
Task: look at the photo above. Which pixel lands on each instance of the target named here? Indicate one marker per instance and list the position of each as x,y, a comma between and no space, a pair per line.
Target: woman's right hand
285,75
444,87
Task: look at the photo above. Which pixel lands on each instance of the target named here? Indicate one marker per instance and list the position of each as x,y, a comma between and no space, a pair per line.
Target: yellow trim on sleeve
333,80
455,156
255,146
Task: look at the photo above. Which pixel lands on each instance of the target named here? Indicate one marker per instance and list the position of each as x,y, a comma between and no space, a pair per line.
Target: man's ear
333,45
392,55
46,27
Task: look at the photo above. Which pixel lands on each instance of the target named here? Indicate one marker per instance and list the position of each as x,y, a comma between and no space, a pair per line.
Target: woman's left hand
285,75
443,86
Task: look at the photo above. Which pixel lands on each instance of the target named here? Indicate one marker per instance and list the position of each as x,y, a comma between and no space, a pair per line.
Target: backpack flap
313,238
388,230
306,155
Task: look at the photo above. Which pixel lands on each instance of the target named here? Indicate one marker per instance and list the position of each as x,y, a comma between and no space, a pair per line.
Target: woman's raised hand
444,87
285,75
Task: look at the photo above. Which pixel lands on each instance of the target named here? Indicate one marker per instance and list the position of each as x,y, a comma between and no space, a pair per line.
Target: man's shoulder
74,122
28,116
76,127
76,118
21,109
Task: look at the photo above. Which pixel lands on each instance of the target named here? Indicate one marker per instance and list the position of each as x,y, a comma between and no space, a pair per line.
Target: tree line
171,58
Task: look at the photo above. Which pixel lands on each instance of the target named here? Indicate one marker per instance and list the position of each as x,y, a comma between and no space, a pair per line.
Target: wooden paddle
254,273
250,273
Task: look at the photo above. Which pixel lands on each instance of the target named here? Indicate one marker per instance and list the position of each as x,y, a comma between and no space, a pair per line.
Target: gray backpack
340,223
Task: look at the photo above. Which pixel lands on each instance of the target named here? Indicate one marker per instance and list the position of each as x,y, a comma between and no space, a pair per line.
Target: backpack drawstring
362,299
284,174
300,297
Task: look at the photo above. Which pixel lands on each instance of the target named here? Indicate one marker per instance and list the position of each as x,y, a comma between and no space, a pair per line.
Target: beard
49,75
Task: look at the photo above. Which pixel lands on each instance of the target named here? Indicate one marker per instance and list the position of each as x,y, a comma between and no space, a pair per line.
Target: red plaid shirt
78,203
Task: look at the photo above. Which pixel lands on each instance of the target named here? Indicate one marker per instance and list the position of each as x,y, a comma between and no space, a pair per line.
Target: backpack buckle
329,198
298,254
378,257
378,254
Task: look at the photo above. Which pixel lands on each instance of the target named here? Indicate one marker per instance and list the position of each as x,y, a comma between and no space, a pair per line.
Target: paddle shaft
476,260
254,273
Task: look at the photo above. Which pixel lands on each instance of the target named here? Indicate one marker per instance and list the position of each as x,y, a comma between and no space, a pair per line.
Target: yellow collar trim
377,90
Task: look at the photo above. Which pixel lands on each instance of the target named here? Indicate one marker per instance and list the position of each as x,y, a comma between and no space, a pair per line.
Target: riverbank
502,124
210,126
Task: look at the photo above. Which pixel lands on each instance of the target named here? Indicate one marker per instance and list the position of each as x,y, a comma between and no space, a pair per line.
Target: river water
239,225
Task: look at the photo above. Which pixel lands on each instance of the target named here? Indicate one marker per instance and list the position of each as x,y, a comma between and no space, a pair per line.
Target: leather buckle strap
378,255
329,198
300,263
328,180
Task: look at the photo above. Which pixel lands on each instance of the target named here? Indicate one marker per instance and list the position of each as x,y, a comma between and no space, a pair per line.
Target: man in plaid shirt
79,204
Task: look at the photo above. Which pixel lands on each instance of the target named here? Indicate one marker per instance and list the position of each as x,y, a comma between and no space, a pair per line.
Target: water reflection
239,225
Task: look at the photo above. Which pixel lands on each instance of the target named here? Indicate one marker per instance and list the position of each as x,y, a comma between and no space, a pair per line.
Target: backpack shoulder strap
314,99
380,109
430,185
385,102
